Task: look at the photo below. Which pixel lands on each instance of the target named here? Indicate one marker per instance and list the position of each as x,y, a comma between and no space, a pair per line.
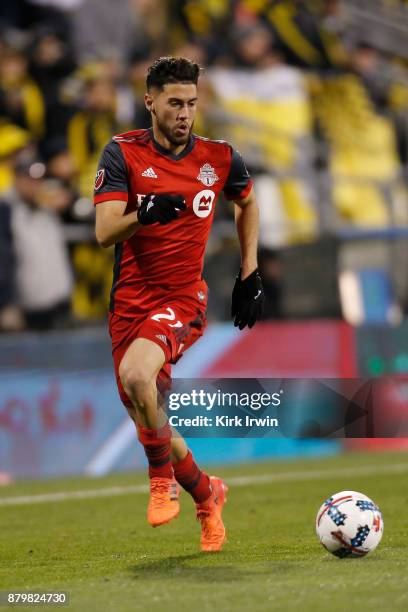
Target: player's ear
148,100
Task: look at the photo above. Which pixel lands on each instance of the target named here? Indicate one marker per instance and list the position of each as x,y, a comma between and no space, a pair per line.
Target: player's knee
136,381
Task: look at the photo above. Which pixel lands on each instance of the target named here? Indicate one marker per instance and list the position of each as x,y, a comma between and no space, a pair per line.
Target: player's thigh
174,327
141,363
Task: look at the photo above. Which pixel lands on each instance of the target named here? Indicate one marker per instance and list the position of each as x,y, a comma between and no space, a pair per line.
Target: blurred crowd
318,111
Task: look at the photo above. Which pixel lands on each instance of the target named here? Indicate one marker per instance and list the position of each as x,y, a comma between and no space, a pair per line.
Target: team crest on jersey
100,177
207,175
203,202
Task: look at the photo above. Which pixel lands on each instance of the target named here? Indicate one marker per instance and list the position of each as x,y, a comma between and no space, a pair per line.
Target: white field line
104,460
235,481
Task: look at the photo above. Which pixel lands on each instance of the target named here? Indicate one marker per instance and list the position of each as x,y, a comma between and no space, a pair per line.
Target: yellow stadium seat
363,151
273,131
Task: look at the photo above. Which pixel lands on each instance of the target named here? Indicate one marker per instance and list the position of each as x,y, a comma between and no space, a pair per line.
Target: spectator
21,100
10,315
205,24
59,161
61,169
51,64
95,123
299,30
41,283
12,140
369,66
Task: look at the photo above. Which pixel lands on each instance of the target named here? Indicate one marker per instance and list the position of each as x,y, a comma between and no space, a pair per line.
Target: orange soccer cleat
163,503
209,514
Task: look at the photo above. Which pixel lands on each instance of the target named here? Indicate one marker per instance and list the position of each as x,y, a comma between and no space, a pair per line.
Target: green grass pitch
104,554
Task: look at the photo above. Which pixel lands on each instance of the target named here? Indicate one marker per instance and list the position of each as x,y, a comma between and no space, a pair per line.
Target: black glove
160,208
247,300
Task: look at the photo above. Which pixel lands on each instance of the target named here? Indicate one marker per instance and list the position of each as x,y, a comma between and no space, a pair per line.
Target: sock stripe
193,483
156,443
158,450
192,479
159,463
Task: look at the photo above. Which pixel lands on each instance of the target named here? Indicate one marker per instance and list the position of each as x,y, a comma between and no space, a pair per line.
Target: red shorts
172,320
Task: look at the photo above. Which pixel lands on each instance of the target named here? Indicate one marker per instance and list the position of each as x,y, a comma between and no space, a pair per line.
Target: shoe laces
209,526
207,516
202,514
160,493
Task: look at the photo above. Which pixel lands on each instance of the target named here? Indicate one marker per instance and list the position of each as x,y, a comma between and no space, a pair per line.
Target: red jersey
171,256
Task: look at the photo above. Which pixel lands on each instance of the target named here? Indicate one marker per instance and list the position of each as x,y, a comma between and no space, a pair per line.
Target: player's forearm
117,229
247,223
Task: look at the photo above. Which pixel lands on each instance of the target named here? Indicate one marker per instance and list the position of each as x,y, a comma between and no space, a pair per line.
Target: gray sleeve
111,176
238,183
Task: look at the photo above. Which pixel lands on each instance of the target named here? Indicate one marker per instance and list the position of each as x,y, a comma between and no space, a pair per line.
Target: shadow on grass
178,566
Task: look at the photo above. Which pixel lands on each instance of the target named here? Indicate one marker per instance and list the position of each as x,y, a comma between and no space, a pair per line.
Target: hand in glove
247,300
160,208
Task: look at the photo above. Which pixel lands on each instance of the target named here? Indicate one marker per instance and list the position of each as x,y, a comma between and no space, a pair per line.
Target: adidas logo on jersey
162,337
149,172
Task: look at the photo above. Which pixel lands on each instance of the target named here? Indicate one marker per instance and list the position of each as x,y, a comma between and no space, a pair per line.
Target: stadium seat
273,132
363,161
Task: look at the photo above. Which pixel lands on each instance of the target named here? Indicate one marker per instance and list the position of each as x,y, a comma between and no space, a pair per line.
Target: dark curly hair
171,70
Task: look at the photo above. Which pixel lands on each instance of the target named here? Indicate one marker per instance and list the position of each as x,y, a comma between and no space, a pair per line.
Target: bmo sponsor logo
203,202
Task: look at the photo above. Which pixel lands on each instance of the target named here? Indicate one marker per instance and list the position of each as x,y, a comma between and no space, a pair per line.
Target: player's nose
183,113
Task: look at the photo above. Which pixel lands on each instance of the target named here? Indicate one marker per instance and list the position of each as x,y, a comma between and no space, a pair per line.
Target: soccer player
155,194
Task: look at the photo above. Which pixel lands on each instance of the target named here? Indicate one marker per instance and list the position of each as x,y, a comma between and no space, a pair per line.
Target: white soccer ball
349,524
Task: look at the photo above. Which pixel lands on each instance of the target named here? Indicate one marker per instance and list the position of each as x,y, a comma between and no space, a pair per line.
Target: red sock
156,444
192,479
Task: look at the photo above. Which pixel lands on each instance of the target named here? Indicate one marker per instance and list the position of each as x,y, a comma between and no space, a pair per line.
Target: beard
170,136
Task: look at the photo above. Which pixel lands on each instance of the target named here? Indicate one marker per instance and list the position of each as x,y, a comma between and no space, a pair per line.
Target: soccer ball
349,524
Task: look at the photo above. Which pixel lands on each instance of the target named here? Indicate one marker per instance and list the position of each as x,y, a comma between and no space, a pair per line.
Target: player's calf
138,372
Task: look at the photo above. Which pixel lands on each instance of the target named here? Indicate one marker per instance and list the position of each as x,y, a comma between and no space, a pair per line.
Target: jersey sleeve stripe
112,195
240,196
